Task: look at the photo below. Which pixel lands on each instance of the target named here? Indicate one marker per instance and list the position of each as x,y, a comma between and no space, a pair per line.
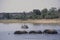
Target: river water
7,31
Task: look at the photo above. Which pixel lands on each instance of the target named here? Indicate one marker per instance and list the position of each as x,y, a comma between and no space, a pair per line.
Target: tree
37,11
44,13
53,10
45,10
53,13
6,16
58,10
24,16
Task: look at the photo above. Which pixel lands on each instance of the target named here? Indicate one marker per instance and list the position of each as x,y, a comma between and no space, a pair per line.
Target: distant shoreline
47,21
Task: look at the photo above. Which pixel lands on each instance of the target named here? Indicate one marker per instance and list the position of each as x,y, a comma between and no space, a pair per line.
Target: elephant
25,27
20,32
39,32
32,32
48,31
35,32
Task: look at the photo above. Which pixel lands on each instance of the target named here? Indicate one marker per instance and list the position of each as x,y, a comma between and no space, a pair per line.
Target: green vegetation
52,13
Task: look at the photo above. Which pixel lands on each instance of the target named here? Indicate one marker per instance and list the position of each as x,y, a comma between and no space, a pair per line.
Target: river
7,31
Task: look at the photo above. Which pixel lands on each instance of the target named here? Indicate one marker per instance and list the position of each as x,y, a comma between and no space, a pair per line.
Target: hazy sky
26,5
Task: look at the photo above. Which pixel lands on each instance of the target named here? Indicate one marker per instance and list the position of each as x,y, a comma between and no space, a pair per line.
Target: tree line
52,13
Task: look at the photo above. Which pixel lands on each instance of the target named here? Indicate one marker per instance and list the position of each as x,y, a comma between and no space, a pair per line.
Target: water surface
7,31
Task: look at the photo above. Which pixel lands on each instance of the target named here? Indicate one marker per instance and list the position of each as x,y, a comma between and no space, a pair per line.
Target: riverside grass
31,21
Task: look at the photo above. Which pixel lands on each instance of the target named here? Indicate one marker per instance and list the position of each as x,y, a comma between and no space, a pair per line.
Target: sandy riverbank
31,21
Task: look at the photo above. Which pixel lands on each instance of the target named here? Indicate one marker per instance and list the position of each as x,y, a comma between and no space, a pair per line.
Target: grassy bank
31,21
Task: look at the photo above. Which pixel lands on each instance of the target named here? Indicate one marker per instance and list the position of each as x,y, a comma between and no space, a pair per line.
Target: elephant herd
47,31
